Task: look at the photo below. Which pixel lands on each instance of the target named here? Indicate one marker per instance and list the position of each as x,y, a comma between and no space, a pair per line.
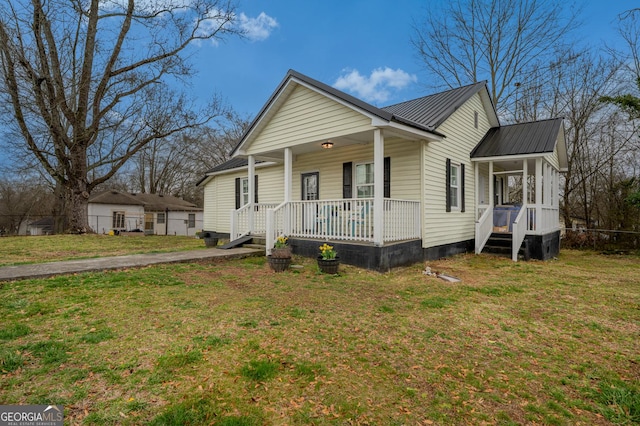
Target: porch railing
547,221
344,219
402,220
519,230
484,227
240,219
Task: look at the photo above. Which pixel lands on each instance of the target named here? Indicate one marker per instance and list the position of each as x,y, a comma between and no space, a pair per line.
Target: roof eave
317,86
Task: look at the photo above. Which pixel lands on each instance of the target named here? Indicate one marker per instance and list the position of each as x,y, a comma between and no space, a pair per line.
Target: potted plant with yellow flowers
280,257
328,260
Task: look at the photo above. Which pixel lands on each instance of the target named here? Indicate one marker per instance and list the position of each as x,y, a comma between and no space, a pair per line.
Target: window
118,220
475,119
244,191
192,220
148,222
454,186
161,218
364,180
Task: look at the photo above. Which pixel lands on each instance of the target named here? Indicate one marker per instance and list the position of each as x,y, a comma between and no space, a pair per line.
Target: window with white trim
454,186
364,180
118,220
244,191
161,218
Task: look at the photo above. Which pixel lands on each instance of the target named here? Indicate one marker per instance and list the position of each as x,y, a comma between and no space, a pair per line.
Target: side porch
518,205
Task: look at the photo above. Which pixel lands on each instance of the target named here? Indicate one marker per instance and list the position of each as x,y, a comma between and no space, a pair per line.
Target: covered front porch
366,214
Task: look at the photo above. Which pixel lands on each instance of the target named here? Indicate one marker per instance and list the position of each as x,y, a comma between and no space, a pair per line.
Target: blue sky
360,46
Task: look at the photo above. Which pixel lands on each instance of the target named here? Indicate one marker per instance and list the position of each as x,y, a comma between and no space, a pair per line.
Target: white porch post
288,174
476,181
252,180
491,188
538,194
288,188
378,187
525,177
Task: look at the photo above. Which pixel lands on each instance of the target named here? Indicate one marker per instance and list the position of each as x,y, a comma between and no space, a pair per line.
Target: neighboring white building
154,214
42,226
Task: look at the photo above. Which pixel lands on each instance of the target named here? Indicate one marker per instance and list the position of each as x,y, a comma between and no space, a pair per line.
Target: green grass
38,249
232,343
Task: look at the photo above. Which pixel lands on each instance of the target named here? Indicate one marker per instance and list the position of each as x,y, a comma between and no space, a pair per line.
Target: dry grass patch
233,343
51,248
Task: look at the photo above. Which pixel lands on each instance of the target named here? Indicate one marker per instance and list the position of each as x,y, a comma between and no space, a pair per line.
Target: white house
154,214
418,180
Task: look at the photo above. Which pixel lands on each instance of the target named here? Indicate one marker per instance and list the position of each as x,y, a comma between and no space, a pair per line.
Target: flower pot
281,253
328,266
211,242
279,264
210,239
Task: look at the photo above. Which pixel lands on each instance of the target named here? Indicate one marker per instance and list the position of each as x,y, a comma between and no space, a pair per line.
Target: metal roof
537,137
431,111
234,163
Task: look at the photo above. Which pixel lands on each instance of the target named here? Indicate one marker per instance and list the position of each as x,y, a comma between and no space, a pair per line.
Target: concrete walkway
42,270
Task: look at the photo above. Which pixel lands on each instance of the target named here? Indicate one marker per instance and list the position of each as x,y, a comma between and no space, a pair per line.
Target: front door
310,192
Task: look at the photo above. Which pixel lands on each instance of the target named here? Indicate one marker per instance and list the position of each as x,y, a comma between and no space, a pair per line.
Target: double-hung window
454,186
192,220
244,191
364,180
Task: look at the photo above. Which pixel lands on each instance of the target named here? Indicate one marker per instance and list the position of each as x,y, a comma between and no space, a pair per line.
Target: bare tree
500,41
22,199
172,165
88,82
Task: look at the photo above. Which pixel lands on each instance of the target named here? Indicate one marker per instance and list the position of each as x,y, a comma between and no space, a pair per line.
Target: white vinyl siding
219,195
307,116
405,168
441,227
553,159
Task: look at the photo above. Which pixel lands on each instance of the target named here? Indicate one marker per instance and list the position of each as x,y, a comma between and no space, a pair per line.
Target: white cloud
376,87
259,28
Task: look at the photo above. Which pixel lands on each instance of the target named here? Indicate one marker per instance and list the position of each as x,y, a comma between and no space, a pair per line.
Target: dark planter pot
210,239
282,253
328,266
279,264
211,242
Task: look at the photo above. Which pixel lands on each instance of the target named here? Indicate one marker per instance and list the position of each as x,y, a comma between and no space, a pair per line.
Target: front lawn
20,250
231,342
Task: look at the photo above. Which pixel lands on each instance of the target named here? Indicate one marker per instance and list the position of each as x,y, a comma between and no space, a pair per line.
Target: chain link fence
605,240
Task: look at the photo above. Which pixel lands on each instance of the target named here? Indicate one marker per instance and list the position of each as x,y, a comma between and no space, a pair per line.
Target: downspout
166,221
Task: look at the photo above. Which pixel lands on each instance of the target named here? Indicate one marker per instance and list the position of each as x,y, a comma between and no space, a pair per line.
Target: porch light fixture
327,144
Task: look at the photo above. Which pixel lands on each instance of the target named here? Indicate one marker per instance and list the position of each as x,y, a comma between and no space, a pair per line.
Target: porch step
249,241
256,246
499,243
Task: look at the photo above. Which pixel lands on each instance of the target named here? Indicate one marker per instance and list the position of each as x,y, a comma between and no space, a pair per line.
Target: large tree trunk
77,212
78,192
